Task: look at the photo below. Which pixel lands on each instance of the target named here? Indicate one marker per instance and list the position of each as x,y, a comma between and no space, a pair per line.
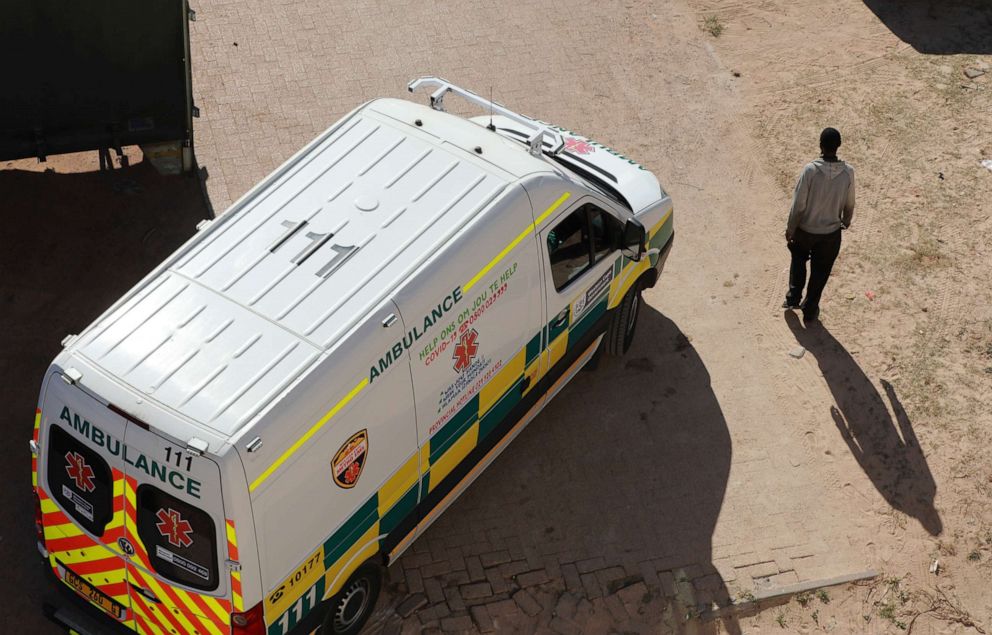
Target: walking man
822,206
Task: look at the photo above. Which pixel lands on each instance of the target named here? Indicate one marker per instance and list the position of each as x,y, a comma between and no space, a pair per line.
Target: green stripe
502,408
533,349
399,511
453,430
555,331
588,319
346,536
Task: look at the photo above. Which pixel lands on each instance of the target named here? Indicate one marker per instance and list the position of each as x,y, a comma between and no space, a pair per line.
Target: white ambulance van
249,436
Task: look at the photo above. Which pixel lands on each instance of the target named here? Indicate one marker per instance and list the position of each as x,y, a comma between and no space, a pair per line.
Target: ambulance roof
244,310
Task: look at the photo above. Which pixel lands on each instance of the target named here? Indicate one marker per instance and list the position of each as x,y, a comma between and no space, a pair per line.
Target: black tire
354,603
620,333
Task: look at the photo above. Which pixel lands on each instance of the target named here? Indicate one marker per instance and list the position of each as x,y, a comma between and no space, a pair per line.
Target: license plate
93,594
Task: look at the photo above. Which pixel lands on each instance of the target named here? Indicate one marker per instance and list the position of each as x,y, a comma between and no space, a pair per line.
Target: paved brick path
630,511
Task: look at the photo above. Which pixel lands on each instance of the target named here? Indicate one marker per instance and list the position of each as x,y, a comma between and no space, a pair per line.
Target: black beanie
830,140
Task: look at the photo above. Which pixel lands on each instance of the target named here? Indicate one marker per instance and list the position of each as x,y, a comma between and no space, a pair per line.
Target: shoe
811,316
790,304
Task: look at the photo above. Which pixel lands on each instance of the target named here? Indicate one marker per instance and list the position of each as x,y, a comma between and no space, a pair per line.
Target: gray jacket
824,198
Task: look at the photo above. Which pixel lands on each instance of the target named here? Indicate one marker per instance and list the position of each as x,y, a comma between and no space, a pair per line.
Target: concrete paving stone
609,575
571,577
726,570
497,581
591,586
414,581
616,608
414,560
436,569
411,626
667,581
710,582
411,604
511,569
474,568
590,564
532,578
432,587
457,624
483,621
566,605
493,558
454,598
633,595
564,627
760,570
455,578
502,607
552,566
526,602
476,590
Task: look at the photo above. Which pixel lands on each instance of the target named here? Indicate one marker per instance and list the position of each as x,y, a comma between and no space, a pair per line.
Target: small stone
973,73
797,352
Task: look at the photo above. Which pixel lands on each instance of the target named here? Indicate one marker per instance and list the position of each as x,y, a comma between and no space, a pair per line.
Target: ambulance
251,435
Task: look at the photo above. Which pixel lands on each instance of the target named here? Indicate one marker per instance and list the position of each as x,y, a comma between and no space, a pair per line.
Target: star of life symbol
175,529
465,350
578,146
79,471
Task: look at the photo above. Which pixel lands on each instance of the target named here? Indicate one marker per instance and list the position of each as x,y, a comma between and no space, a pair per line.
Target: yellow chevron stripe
398,484
516,241
178,612
309,433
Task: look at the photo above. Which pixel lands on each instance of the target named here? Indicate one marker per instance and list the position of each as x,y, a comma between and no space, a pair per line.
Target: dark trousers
820,250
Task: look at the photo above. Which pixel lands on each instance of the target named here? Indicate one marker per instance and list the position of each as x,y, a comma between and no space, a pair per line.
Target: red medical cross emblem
174,528
79,471
465,350
578,146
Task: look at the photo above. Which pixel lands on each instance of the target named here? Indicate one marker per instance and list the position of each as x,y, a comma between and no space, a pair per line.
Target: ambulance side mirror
632,241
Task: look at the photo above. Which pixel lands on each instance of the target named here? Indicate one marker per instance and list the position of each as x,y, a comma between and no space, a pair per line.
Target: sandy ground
873,446
902,365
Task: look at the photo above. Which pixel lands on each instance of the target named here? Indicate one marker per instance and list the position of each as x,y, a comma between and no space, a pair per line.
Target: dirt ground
905,349
873,446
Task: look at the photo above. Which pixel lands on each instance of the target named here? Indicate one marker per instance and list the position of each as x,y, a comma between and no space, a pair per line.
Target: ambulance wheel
354,603
621,330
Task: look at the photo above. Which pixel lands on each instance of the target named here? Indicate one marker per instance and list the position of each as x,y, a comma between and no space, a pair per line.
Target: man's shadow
884,444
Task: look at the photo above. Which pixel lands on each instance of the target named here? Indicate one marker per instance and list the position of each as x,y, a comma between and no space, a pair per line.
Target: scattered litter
940,175
935,567
987,164
797,352
973,73
870,295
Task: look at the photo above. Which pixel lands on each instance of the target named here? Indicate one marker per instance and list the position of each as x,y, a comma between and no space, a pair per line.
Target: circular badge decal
126,546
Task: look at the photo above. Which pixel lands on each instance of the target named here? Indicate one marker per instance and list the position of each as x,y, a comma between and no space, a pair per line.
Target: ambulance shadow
620,480
884,445
71,244
941,27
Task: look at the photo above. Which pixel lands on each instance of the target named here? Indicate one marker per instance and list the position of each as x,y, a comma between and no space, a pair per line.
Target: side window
606,232
579,241
81,481
180,539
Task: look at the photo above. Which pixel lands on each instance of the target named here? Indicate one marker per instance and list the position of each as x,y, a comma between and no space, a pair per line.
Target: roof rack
539,131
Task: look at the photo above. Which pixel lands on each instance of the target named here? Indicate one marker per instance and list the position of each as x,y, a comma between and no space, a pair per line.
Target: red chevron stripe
114,589
150,608
68,544
57,517
207,611
101,565
178,603
149,614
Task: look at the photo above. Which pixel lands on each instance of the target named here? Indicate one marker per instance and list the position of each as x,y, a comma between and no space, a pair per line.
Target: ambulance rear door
176,532
81,491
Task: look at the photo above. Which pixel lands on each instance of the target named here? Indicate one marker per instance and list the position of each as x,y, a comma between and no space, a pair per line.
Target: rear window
181,539
81,481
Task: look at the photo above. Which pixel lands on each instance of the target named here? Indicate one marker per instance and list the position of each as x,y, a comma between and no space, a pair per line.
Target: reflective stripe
309,433
516,241
232,553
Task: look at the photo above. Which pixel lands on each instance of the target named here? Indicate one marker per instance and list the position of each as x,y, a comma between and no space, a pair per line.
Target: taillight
250,622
